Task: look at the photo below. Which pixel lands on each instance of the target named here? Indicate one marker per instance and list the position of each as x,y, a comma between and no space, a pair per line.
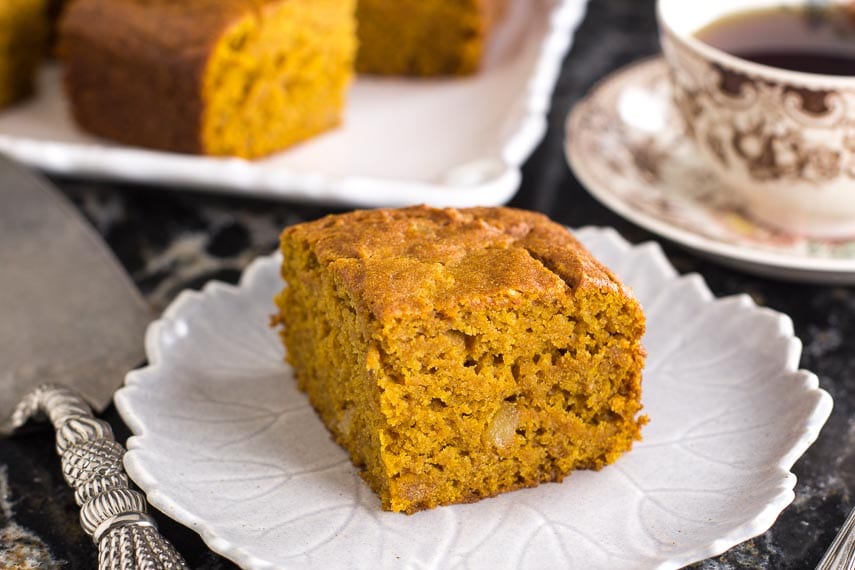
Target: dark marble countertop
170,240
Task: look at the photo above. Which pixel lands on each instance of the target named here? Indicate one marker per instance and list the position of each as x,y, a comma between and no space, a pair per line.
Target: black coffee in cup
817,38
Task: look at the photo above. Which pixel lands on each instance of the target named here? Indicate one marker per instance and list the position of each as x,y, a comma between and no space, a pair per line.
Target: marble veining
20,548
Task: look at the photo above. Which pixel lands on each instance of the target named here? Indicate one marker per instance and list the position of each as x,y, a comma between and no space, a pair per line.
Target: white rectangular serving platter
450,142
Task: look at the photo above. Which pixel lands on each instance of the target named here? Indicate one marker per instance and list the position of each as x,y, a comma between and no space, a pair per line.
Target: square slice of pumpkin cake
458,354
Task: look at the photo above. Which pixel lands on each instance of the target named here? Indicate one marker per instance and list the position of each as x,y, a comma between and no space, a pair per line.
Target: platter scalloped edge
646,269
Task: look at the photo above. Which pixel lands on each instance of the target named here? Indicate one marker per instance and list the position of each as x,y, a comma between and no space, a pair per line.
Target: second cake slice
218,77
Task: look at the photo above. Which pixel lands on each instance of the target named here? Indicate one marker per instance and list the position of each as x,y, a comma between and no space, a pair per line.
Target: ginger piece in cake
458,354
216,77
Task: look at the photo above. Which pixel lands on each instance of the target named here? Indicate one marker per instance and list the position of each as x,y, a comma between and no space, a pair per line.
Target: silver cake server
72,324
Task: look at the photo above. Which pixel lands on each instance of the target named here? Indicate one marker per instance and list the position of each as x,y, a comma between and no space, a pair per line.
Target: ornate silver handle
841,554
114,515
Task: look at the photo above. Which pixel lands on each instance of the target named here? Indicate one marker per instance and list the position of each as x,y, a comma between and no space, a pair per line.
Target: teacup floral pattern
628,144
775,130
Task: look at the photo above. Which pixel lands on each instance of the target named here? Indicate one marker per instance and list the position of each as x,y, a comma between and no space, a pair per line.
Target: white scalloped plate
454,142
227,445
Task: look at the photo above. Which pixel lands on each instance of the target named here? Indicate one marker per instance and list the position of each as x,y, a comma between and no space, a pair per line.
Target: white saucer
627,145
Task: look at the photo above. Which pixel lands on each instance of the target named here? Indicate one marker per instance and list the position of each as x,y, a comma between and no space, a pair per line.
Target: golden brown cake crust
430,256
458,354
121,57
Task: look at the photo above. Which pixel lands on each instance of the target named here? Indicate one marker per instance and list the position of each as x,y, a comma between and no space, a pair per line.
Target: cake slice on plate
458,354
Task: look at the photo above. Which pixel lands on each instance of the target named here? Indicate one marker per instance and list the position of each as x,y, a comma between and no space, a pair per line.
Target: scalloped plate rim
159,497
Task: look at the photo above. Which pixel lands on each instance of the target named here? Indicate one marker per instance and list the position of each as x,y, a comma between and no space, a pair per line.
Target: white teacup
783,140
